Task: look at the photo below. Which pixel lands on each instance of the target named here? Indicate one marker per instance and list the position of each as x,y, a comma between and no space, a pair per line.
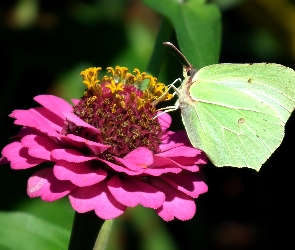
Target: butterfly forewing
236,113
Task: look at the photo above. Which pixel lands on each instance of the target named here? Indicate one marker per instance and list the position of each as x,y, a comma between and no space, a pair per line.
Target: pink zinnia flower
107,151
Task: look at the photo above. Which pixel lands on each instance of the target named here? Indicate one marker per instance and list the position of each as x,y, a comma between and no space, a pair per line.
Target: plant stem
85,230
103,236
156,59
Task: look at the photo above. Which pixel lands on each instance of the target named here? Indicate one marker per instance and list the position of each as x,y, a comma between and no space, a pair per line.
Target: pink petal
55,104
75,101
79,122
98,198
32,118
121,169
185,157
39,146
180,151
189,183
28,131
137,159
177,204
180,207
132,192
70,155
81,142
162,165
3,160
192,168
173,140
81,174
52,119
190,164
165,121
18,156
43,183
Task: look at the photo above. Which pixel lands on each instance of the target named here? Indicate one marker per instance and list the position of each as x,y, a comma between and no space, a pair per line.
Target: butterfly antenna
179,52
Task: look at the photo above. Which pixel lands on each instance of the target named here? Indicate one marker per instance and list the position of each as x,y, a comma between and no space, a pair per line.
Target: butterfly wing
236,113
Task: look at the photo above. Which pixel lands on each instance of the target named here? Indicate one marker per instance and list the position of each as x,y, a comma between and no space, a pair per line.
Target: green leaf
59,212
26,232
236,113
198,28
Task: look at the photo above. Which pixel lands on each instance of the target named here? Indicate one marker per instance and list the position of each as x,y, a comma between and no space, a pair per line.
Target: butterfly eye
190,72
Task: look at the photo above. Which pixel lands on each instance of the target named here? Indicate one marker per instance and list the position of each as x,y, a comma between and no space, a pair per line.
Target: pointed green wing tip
257,167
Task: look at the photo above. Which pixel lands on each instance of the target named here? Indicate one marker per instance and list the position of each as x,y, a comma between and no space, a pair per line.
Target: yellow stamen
119,77
90,77
114,108
91,100
115,87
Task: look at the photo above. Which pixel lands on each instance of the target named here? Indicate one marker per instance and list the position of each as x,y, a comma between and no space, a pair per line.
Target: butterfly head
189,72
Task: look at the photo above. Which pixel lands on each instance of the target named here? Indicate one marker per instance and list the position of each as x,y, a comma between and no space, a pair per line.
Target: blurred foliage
27,232
197,27
45,44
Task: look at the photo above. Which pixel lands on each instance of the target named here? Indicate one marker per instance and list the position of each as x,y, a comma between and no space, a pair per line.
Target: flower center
122,109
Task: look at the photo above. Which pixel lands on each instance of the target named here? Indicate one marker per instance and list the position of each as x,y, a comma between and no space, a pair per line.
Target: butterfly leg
154,103
167,109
